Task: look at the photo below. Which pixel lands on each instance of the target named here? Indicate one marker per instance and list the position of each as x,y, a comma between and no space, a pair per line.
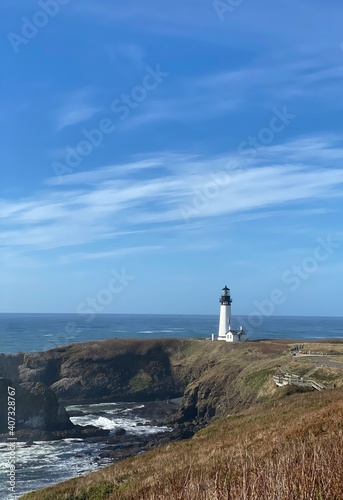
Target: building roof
236,332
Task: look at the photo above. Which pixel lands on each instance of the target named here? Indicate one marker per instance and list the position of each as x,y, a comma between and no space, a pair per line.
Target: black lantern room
225,299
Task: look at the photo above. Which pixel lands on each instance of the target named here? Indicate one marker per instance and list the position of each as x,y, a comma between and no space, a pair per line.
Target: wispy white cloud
185,106
125,53
119,252
153,16
283,78
155,161
150,116
203,98
13,258
105,204
76,109
72,115
261,22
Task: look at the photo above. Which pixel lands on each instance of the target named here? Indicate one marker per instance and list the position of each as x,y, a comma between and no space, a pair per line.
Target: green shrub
99,491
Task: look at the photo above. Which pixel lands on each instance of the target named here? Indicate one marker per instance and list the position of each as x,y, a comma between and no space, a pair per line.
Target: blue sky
154,152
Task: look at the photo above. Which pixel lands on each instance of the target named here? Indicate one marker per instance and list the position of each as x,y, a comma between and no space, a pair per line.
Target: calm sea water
38,332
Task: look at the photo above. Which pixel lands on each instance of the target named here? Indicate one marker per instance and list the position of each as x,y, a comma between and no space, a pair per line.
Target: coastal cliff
95,372
205,373
214,378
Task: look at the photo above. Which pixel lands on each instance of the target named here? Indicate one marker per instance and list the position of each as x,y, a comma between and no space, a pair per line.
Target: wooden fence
287,378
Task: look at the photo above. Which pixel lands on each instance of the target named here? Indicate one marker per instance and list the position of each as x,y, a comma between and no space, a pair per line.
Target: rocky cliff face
212,377
104,371
212,395
36,407
93,372
38,414
9,364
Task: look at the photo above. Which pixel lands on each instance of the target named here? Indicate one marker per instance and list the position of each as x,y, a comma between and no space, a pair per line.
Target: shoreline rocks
77,432
38,414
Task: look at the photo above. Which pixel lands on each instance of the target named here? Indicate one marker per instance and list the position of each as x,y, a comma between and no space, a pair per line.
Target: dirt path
321,360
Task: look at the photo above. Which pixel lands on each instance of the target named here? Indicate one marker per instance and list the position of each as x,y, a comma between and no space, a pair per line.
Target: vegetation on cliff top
288,449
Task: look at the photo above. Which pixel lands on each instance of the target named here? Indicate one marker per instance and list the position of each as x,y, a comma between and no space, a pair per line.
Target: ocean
40,464
38,332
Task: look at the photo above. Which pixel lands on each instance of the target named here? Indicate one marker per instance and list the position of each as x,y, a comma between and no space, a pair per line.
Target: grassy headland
288,449
262,441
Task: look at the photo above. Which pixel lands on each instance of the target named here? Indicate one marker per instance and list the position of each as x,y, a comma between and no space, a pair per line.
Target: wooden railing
287,378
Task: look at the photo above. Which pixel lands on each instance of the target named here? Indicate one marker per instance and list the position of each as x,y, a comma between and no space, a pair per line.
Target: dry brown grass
295,471
290,449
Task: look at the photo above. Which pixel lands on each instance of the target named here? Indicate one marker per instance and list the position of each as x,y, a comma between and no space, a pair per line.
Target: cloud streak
107,203
76,109
119,252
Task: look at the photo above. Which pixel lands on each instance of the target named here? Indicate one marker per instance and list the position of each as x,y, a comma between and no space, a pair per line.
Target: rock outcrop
38,414
9,365
109,370
36,407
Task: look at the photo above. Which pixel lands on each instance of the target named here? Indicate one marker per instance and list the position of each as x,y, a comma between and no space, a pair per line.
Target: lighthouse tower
225,332
225,313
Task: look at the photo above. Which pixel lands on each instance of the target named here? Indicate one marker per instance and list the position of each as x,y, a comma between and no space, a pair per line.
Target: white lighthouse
225,332
225,313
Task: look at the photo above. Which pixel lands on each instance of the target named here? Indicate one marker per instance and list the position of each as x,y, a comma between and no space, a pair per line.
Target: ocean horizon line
163,314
